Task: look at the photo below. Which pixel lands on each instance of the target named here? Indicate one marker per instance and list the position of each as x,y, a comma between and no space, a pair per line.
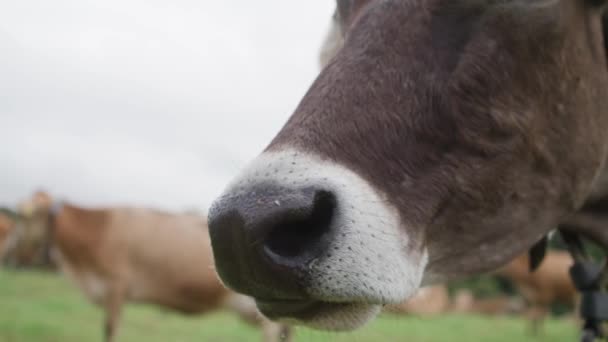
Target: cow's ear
348,11
344,7
333,41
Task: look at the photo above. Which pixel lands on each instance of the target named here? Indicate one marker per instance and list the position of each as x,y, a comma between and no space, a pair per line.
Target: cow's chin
320,315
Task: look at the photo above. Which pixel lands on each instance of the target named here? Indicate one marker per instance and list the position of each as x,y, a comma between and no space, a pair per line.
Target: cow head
39,205
442,139
28,242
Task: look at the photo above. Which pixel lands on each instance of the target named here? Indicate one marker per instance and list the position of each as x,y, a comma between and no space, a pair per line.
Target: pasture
44,307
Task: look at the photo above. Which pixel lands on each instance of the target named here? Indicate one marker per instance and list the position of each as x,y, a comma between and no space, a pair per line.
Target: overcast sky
147,102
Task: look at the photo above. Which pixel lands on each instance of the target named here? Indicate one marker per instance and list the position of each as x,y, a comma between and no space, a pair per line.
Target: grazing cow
465,302
444,138
550,283
127,254
429,301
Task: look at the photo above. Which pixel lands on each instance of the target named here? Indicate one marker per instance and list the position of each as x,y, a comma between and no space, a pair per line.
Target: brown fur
119,255
549,284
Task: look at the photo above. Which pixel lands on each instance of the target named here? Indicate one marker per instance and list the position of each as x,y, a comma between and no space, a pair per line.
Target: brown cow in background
429,301
6,226
549,284
435,300
464,302
126,254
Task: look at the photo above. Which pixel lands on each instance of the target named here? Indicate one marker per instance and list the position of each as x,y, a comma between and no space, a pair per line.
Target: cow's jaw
369,262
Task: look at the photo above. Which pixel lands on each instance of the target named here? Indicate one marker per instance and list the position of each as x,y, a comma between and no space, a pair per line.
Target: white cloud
151,103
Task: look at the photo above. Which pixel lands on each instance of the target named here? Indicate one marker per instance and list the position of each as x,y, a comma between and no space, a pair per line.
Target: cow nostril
303,236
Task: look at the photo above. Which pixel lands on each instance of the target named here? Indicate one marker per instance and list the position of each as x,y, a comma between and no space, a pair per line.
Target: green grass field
39,307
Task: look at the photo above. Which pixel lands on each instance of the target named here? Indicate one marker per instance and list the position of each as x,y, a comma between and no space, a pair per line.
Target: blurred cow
549,284
465,302
432,300
126,254
6,226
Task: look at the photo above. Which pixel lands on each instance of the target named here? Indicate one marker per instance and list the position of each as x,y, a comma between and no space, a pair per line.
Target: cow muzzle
312,242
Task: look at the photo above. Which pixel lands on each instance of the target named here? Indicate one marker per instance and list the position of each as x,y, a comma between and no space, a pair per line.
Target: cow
117,255
441,140
550,283
6,226
429,301
464,302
